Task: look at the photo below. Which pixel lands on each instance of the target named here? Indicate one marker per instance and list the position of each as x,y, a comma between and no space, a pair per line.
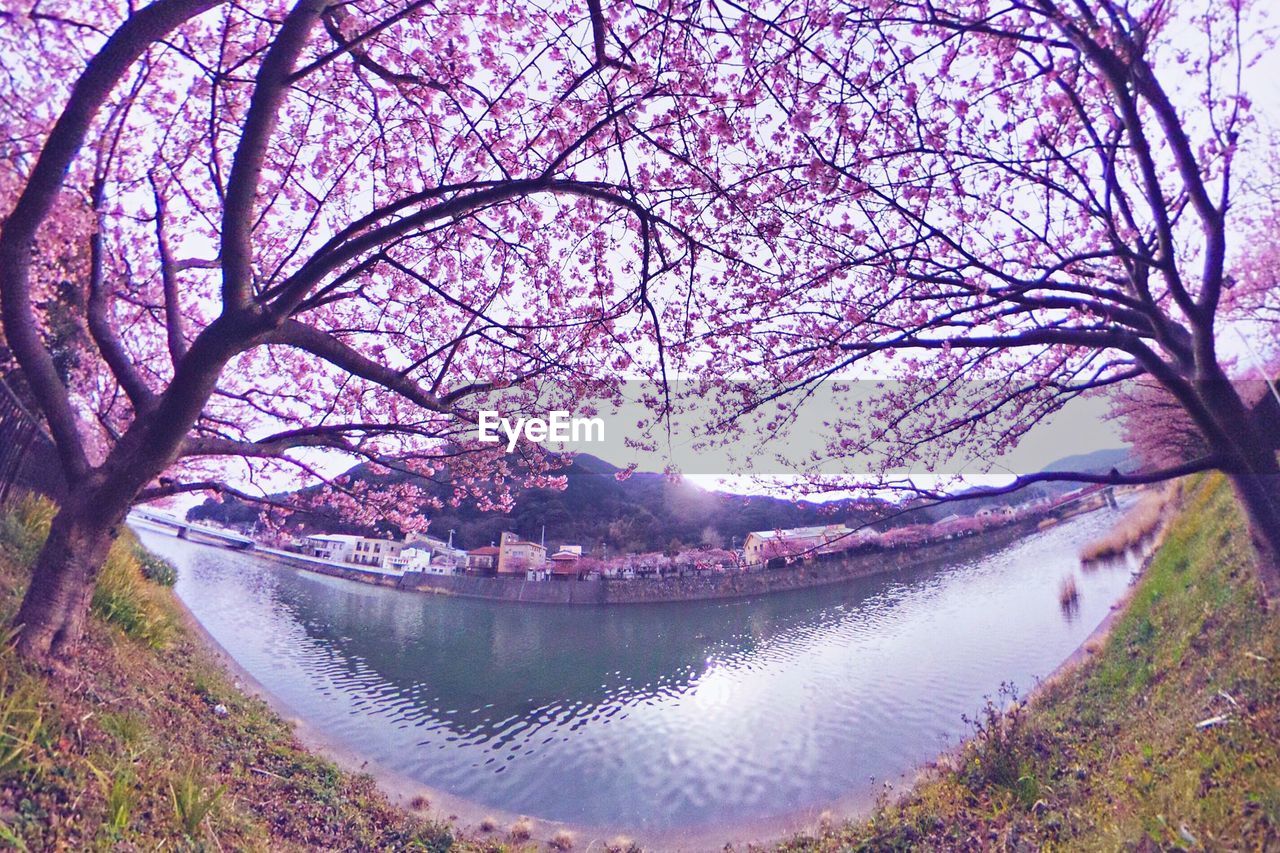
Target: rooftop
796,532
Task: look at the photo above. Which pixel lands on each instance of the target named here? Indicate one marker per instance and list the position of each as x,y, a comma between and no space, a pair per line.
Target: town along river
655,718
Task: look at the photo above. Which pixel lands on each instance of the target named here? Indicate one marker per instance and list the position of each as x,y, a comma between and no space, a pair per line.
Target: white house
761,546
412,558
329,546
346,548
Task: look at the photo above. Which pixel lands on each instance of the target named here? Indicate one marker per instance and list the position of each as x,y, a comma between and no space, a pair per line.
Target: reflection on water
653,717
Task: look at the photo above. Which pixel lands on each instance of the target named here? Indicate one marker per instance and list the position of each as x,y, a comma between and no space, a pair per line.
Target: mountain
645,512
1097,462
1094,462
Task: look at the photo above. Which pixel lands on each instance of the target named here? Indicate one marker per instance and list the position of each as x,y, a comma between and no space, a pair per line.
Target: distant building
419,554
483,561
517,556
346,548
417,558
567,562
761,546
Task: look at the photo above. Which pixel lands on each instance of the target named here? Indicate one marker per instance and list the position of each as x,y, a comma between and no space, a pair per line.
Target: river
655,718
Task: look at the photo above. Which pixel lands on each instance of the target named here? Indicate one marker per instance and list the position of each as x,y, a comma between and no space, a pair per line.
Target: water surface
660,717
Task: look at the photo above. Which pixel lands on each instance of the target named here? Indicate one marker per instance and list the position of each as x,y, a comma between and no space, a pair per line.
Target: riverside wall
690,587
352,573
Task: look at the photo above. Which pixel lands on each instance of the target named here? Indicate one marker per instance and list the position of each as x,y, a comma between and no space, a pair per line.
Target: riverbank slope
133,751
1167,737
150,744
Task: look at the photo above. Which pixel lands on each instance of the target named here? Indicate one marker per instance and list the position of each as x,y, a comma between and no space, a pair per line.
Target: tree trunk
1259,495
1242,438
56,606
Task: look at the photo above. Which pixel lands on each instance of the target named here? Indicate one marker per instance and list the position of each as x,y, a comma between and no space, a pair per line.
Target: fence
28,459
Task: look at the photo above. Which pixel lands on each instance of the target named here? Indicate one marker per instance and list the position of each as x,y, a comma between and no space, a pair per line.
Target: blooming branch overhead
242,238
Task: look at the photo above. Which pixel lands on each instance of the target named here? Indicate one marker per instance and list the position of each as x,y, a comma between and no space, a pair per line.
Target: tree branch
271,85
175,330
141,30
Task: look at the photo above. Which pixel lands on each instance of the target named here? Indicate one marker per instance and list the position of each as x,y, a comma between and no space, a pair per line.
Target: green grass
126,598
1109,757
127,752
126,594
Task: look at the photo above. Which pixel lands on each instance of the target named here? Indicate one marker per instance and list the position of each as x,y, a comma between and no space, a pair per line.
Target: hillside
645,512
1096,462
152,745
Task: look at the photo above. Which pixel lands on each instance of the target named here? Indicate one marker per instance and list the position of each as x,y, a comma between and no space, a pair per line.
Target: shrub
156,568
122,597
621,844
121,797
1068,594
521,831
436,840
1137,526
129,728
25,526
1002,749
192,799
22,718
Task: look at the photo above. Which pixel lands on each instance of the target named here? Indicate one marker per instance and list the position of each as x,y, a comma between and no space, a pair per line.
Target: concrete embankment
687,587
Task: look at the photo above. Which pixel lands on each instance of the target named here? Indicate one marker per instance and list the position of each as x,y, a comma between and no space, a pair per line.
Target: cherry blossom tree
1021,202
309,227
319,227
1156,425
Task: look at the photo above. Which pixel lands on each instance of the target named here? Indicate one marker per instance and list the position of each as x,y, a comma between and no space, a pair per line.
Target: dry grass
1068,595
520,831
1138,525
562,840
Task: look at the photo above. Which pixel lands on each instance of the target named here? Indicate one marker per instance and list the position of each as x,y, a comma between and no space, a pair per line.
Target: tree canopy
269,231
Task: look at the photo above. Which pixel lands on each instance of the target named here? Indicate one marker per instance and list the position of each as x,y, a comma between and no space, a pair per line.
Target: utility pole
450,537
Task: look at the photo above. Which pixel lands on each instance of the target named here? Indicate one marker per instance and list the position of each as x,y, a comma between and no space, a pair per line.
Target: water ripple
660,716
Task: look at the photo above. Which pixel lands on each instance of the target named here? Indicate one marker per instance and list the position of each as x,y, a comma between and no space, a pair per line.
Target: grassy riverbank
150,745
1167,738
